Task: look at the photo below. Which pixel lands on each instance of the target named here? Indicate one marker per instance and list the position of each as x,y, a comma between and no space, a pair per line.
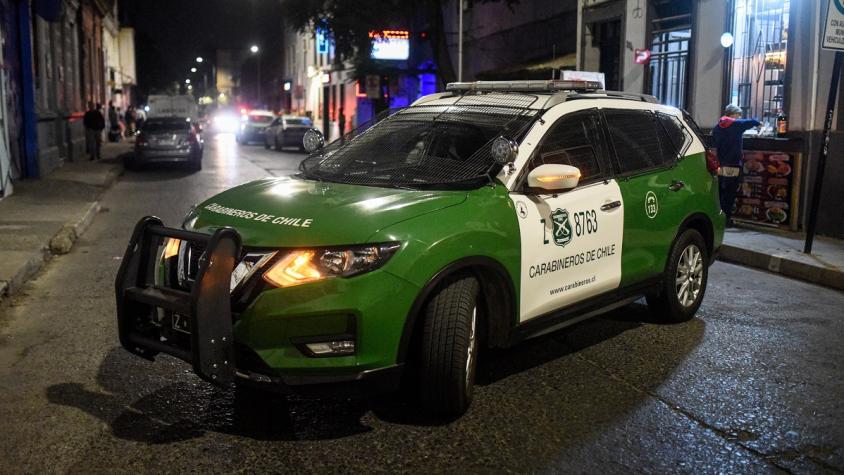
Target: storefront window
760,31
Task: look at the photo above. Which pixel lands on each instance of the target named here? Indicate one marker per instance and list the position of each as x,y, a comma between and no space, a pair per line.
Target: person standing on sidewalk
94,124
727,137
113,123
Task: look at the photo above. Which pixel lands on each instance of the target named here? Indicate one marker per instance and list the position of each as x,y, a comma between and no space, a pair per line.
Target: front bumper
259,343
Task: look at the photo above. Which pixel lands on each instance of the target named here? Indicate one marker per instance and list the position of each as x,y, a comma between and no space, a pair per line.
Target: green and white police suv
475,218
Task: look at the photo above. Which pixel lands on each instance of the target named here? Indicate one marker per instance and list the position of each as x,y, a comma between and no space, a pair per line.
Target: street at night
750,385
421,236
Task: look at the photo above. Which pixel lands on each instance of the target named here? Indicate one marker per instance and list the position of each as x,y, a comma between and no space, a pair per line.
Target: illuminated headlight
310,265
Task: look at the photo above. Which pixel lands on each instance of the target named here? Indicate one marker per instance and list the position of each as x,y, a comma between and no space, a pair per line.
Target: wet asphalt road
753,384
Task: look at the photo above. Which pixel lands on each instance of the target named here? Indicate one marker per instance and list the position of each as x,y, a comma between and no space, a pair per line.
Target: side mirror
554,177
313,140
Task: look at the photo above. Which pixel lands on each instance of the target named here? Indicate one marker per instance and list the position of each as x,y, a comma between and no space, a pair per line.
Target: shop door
5,158
608,37
671,33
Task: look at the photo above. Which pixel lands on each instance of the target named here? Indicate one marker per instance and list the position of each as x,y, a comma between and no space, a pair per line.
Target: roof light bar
525,86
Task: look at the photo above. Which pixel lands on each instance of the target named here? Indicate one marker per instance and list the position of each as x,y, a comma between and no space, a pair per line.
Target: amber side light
172,248
293,269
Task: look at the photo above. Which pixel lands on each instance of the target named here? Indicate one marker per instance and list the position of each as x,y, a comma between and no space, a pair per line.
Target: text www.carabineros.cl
573,285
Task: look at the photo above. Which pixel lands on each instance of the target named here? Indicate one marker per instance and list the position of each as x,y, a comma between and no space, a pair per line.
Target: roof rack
622,95
551,85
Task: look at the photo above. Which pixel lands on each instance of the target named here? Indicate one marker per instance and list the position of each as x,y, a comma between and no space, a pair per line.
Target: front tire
449,347
684,282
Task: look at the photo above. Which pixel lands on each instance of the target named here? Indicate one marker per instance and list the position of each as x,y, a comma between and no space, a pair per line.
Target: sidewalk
783,254
45,217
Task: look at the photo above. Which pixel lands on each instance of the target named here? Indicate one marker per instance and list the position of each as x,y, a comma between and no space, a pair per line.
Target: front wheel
684,282
449,347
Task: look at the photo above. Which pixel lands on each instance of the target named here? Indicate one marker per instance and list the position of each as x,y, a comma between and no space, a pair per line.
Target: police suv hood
293,212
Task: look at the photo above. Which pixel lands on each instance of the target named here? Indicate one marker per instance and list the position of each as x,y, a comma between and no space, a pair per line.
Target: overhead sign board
390,44
833,34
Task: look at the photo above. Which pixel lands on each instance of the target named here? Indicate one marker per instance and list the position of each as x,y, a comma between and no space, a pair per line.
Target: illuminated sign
390,44
321,40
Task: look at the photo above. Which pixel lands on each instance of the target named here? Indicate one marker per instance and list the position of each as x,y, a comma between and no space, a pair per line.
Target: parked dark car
287,131
168,139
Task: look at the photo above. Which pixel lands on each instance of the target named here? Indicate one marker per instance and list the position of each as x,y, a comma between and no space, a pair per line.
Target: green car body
542,259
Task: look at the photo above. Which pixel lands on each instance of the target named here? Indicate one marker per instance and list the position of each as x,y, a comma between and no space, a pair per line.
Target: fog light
332,348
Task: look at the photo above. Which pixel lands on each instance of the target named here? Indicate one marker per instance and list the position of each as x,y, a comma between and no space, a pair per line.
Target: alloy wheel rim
689,279
470,351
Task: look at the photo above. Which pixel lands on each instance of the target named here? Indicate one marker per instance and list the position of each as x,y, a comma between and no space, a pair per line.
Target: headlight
309,265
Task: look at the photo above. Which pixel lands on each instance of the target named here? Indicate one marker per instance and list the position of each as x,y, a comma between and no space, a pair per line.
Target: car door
570,241
652,188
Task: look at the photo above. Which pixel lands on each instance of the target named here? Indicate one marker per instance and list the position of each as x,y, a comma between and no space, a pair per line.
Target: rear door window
675,133
640,143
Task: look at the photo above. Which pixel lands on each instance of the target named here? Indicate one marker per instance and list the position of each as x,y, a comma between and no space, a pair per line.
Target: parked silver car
167,139
287,131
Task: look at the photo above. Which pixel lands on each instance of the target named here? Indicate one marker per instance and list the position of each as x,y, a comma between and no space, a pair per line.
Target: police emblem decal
562,227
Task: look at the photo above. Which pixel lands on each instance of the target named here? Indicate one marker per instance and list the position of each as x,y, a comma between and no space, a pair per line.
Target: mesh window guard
426,146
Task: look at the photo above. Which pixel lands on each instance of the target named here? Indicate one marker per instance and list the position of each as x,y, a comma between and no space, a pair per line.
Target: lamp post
255,50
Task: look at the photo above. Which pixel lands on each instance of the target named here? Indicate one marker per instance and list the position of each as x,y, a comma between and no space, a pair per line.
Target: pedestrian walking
94,123
727,137
130,119
113,123
341,119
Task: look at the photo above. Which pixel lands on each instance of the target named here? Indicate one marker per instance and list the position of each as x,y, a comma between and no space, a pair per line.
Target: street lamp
193,70
187,81
254,49
199,59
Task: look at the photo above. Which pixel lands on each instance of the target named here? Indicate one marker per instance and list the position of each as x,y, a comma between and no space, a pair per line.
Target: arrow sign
641,55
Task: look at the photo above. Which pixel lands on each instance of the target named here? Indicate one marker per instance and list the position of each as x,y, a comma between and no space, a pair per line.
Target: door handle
609,206
676,185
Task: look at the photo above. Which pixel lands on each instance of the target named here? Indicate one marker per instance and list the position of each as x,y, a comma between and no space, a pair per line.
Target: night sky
170,34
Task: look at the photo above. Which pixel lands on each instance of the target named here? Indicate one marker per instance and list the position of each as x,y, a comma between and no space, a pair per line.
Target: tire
682,290
195,165
449,346
277,145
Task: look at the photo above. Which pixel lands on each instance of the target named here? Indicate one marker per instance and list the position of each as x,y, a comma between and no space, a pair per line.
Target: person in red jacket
727,137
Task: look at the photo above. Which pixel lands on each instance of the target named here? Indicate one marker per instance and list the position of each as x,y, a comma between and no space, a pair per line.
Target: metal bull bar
207,305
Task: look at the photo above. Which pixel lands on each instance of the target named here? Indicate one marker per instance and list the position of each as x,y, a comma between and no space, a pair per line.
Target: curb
61,242
815,274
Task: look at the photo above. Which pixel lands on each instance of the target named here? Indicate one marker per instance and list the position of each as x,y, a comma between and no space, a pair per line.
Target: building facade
57,56
761,55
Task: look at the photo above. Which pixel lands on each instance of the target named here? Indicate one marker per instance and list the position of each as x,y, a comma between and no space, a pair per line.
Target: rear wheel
196,164
684,282
449,347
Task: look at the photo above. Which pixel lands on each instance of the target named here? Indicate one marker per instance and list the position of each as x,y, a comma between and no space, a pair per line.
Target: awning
541,69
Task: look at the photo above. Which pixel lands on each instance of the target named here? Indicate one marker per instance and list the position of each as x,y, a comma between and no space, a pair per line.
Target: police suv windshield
423,146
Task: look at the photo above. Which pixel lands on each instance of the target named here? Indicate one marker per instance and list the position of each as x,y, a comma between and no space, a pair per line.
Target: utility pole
460,41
